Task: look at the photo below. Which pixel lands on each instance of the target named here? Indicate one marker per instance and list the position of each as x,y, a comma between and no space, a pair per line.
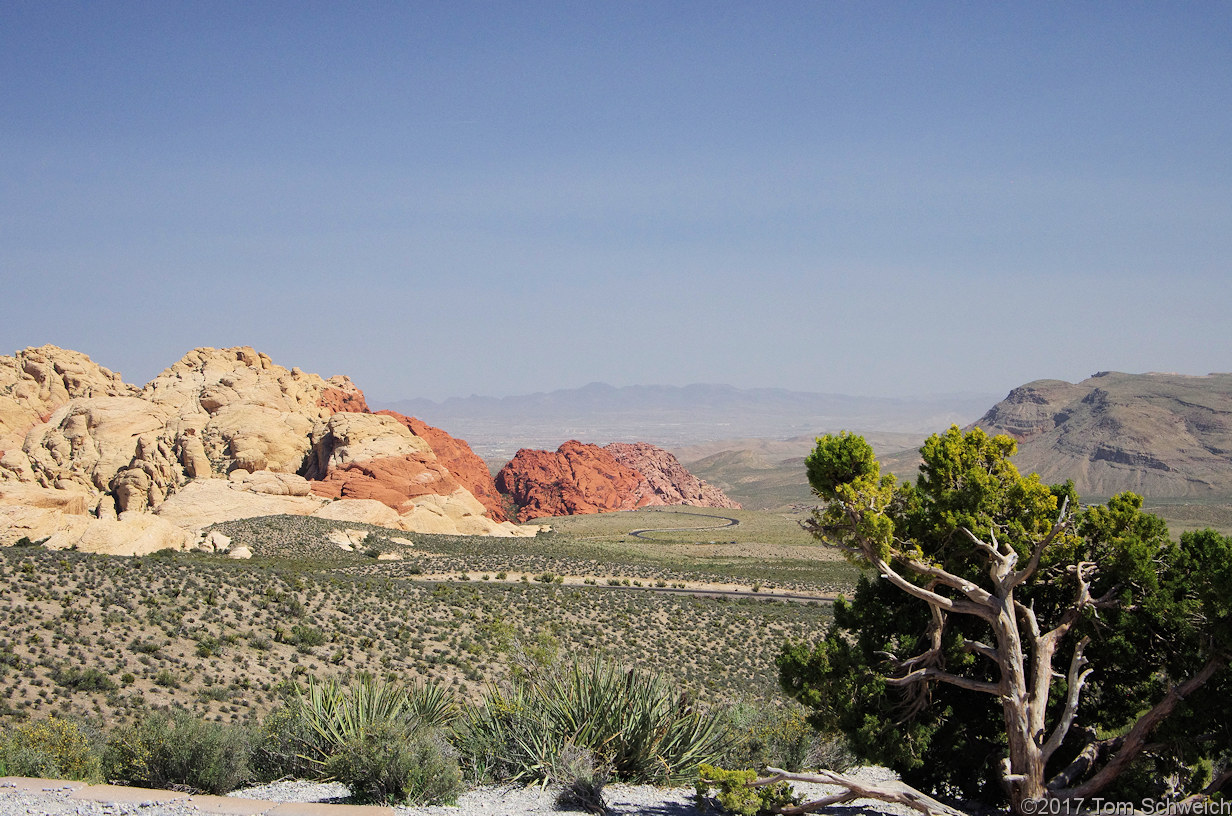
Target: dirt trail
701,588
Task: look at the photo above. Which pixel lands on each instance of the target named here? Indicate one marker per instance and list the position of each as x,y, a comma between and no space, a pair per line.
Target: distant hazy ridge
674,416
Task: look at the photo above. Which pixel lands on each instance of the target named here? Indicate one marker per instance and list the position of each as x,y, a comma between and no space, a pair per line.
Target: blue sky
442,199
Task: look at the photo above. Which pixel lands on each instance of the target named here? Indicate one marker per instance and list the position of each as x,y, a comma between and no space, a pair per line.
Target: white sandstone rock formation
222,434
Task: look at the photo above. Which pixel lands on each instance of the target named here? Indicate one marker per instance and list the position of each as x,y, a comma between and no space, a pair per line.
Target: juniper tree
1006,642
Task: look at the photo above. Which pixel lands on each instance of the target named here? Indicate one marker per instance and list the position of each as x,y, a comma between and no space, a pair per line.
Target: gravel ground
623,800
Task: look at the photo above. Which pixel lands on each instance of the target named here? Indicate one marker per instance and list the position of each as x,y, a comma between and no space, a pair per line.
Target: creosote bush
393,762
177,749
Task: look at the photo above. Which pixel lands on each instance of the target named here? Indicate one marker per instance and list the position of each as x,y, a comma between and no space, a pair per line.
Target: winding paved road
727,522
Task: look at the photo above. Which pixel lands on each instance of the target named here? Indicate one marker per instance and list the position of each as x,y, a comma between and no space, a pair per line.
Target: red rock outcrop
669,479
577,479
342,395
370,456
392,481
463,463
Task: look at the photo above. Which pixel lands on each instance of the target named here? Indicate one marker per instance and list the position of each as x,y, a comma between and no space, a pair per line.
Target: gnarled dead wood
897,793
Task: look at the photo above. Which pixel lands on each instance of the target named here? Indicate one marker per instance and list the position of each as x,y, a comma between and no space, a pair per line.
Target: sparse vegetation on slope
110,637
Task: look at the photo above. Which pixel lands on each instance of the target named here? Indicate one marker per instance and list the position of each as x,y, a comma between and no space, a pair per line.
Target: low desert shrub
634,722
581,778
176,749
54,748
395,763
733,794
281,740
78,679
764,735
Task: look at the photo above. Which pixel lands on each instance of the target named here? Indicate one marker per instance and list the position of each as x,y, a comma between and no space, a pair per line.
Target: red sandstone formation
579,479
462,462
575,480
343,395
393,481
667,477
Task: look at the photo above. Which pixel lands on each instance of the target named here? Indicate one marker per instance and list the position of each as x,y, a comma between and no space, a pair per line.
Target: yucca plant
432,705
633,722
335,715
383,741
322,718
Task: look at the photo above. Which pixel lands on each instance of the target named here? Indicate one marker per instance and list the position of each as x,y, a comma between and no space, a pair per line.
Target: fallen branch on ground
893,792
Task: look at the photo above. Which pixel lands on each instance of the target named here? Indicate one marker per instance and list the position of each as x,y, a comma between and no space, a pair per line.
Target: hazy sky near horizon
447,198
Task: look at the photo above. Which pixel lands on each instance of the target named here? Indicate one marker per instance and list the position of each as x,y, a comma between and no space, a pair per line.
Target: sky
452,198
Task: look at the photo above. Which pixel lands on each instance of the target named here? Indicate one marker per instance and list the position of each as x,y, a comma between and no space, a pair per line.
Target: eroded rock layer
1160,435
463,463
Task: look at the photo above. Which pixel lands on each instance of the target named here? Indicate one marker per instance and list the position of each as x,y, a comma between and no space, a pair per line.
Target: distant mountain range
673,415
1167,437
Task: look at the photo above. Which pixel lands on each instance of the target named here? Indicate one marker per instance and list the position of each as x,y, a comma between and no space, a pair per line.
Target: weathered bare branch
975,647
1206,793
893,792
1082,599
1075,680
1037,551
1134,741
1028,612
940,675
979,609
1086,759
992,551
916,695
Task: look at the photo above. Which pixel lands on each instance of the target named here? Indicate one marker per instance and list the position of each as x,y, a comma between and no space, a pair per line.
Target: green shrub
175,748
733,794
395,763
634,722
77,679
280,744
167,679
53,748
764,735
304,638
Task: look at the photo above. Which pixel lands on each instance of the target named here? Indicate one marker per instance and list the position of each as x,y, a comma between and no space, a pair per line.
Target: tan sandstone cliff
223,433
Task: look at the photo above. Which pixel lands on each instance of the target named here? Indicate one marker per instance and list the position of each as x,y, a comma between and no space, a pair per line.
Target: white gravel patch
296,791
492,800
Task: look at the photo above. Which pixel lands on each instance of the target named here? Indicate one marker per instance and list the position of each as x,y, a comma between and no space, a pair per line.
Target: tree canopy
1007,643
